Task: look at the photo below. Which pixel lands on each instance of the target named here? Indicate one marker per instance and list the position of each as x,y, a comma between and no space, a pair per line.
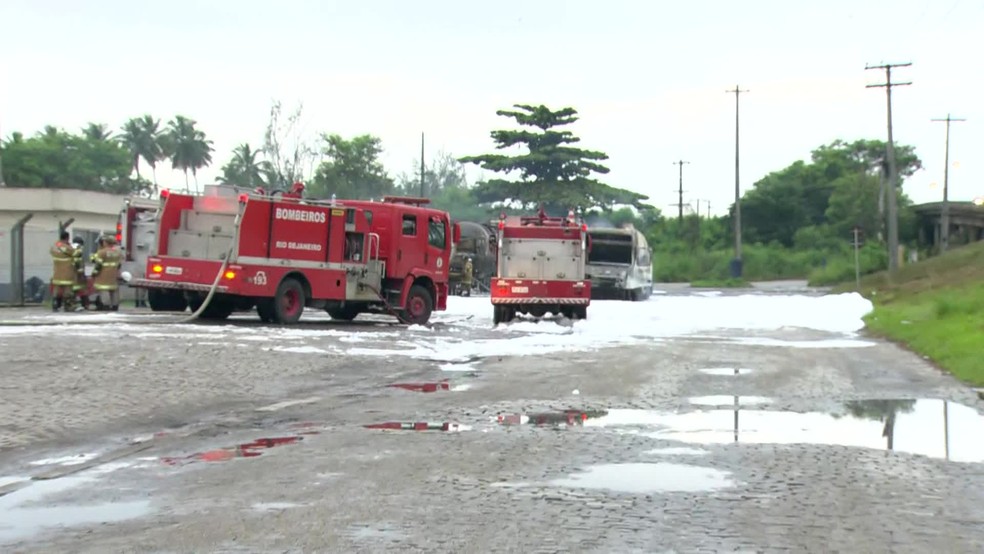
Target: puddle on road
643,478
23,512
677,451
246,450
74,459
561,418
273,506
419,426
725,400
725,371
932,428
423,387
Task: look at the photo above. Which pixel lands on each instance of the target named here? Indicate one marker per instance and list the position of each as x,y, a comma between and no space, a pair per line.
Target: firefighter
466,277
106,271
63,275
80,289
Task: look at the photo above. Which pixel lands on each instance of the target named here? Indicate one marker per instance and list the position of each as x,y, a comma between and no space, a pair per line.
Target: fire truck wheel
502,314
288,304
348,313
216,309
419,306
264,308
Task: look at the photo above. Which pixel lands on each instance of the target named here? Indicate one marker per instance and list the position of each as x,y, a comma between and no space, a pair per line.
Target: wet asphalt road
241,438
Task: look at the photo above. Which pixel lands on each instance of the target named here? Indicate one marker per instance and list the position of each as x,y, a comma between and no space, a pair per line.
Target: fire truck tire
419,306
288,304
217,309
264,308
348,313
166,301
502,314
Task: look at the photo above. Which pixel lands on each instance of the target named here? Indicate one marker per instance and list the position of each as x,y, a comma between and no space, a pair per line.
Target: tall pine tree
551,172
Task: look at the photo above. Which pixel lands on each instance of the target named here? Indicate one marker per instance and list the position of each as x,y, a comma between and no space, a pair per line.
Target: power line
893,216
945,219
680,189
737,92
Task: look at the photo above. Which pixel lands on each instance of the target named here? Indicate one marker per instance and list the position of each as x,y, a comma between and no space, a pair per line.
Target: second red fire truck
281,253
540,268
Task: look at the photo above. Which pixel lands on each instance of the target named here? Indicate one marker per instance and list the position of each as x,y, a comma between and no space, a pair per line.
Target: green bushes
765,263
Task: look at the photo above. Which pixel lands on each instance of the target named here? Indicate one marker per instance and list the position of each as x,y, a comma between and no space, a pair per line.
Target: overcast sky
648,78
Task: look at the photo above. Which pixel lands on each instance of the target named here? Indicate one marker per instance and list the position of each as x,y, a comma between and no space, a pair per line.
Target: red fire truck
281,253
540,268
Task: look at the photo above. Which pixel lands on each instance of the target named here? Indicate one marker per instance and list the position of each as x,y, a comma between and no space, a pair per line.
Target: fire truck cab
540,268
282,253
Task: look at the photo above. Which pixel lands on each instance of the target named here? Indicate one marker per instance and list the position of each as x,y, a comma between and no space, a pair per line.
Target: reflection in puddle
566,417
23,514
423,387
724,371
725,400
644,478
419,426
247,450
927,427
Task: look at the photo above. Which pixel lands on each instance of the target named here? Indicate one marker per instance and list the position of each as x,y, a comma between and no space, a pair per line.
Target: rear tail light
158,268
230,275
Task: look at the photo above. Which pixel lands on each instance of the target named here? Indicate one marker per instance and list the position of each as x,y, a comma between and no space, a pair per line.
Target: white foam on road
613,323
745,320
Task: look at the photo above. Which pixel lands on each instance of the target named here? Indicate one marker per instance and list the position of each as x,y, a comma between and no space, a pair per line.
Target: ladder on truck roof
411,200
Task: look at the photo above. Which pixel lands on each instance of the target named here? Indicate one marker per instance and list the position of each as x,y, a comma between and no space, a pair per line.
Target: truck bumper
174,285
530,292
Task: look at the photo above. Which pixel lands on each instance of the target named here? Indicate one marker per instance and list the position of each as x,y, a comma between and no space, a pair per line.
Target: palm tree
245,168
142,137
96,132
133,139
152,147
188,147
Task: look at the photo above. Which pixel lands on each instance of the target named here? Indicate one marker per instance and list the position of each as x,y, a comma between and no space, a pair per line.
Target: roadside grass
720,283
935,307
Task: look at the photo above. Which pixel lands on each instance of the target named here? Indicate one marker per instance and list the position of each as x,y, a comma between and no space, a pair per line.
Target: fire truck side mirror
456,233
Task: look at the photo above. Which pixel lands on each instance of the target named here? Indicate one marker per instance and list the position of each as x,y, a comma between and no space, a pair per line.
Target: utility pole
945,220
680,189
737,265
893,215
2,183
421,165
857,258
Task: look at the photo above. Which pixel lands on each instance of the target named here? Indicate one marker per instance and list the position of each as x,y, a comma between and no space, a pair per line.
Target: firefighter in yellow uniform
466,277
80,288
106,270
63,275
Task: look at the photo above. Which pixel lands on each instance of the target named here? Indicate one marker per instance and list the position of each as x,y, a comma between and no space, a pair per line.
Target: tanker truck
620,264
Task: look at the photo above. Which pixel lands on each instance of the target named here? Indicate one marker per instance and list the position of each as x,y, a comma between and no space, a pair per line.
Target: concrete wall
94,213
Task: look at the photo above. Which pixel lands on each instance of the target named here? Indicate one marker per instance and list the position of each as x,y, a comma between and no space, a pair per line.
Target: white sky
648,78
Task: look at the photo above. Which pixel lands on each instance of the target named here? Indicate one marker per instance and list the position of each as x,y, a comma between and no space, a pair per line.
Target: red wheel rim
416,306
291,302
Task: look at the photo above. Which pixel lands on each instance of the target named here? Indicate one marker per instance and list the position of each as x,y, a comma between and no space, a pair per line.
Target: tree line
796,220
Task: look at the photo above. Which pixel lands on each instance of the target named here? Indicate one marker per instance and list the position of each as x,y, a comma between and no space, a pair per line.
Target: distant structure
966,223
